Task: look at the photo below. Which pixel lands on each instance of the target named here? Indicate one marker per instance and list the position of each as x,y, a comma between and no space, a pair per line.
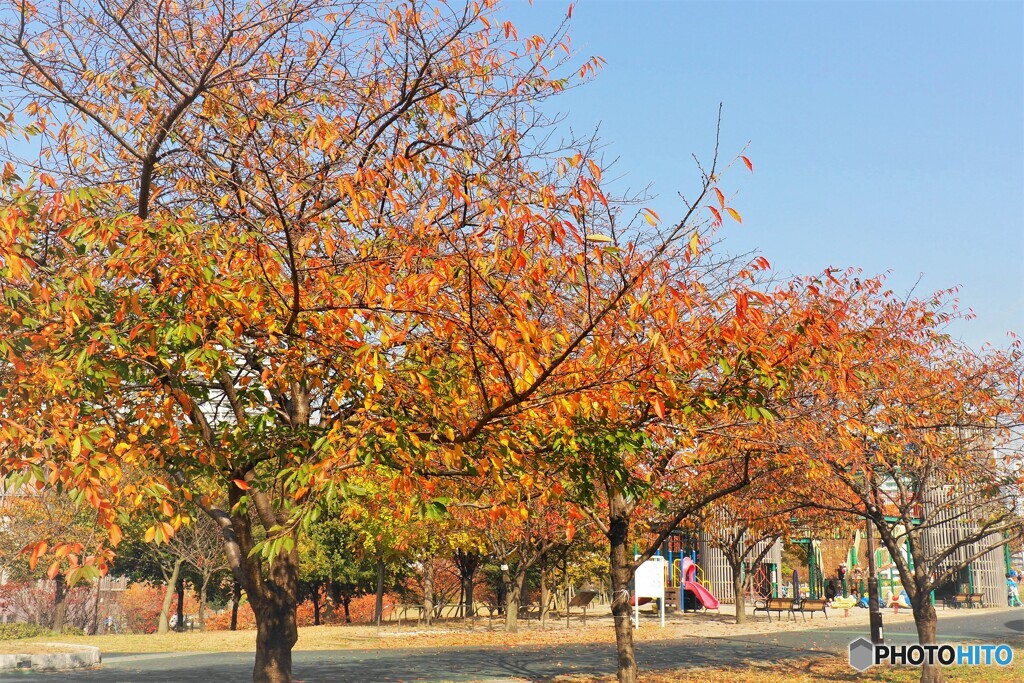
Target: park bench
777,605
975,600
960,600
811,606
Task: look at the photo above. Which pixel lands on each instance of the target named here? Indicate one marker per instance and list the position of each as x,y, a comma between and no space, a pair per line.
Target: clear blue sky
888,136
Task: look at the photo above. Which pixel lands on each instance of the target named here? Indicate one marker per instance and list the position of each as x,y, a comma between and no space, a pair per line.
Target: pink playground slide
690,583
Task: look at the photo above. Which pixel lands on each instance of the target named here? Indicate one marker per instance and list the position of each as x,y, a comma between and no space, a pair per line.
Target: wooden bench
961,600
975,600
811,606
777,605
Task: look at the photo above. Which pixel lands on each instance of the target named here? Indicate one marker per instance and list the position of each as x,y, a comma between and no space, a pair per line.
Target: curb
75,657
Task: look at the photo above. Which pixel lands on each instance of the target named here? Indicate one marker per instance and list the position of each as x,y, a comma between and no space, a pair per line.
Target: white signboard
649,582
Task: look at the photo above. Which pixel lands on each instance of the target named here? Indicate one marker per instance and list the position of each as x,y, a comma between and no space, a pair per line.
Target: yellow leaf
378,381
76,447
150,534
735,214
650,216
598,238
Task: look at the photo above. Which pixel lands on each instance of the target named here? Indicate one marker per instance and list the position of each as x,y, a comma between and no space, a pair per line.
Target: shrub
221,621
19,631
141,604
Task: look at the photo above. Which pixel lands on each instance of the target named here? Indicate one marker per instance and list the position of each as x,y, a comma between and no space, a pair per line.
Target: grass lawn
825,670
22,647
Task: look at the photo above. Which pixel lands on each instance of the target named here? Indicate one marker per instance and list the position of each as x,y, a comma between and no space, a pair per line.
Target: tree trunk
467,593
468,563
165,609
741,599
345,602
428,591
95,630
378,608
60,603
543,598
180,626
236,598
622,573
513,598
276,627
315,598
926,622
202,602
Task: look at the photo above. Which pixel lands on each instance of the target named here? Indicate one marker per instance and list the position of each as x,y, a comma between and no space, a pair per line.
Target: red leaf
721,197
750,166
241,483
718,216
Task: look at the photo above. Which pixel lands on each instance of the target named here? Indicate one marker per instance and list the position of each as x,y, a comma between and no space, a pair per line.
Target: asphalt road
529,663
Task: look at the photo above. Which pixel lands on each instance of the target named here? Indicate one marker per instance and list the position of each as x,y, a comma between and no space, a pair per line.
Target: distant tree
68,528
201,546
332,560
915,433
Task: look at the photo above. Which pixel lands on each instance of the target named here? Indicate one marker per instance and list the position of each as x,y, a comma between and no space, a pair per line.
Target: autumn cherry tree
913,432
746,526
704,352
262,249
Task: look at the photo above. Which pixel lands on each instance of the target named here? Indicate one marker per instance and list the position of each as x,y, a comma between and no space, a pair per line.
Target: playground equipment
690,583
845,604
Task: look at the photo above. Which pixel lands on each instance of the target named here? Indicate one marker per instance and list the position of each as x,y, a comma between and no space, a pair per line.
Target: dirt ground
483,631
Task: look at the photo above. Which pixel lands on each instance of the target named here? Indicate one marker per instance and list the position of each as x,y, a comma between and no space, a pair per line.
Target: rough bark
926,622
737,587
95,627
180,612
428,591
165,609
622,573
543,598
276,627
236,598
202,602
468,563
513,599
314,596
60,603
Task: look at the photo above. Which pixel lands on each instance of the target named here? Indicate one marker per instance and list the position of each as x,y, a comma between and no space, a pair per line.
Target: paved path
524,663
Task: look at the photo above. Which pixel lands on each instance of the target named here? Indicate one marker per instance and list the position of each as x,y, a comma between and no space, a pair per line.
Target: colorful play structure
698,588
671,584
674,584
